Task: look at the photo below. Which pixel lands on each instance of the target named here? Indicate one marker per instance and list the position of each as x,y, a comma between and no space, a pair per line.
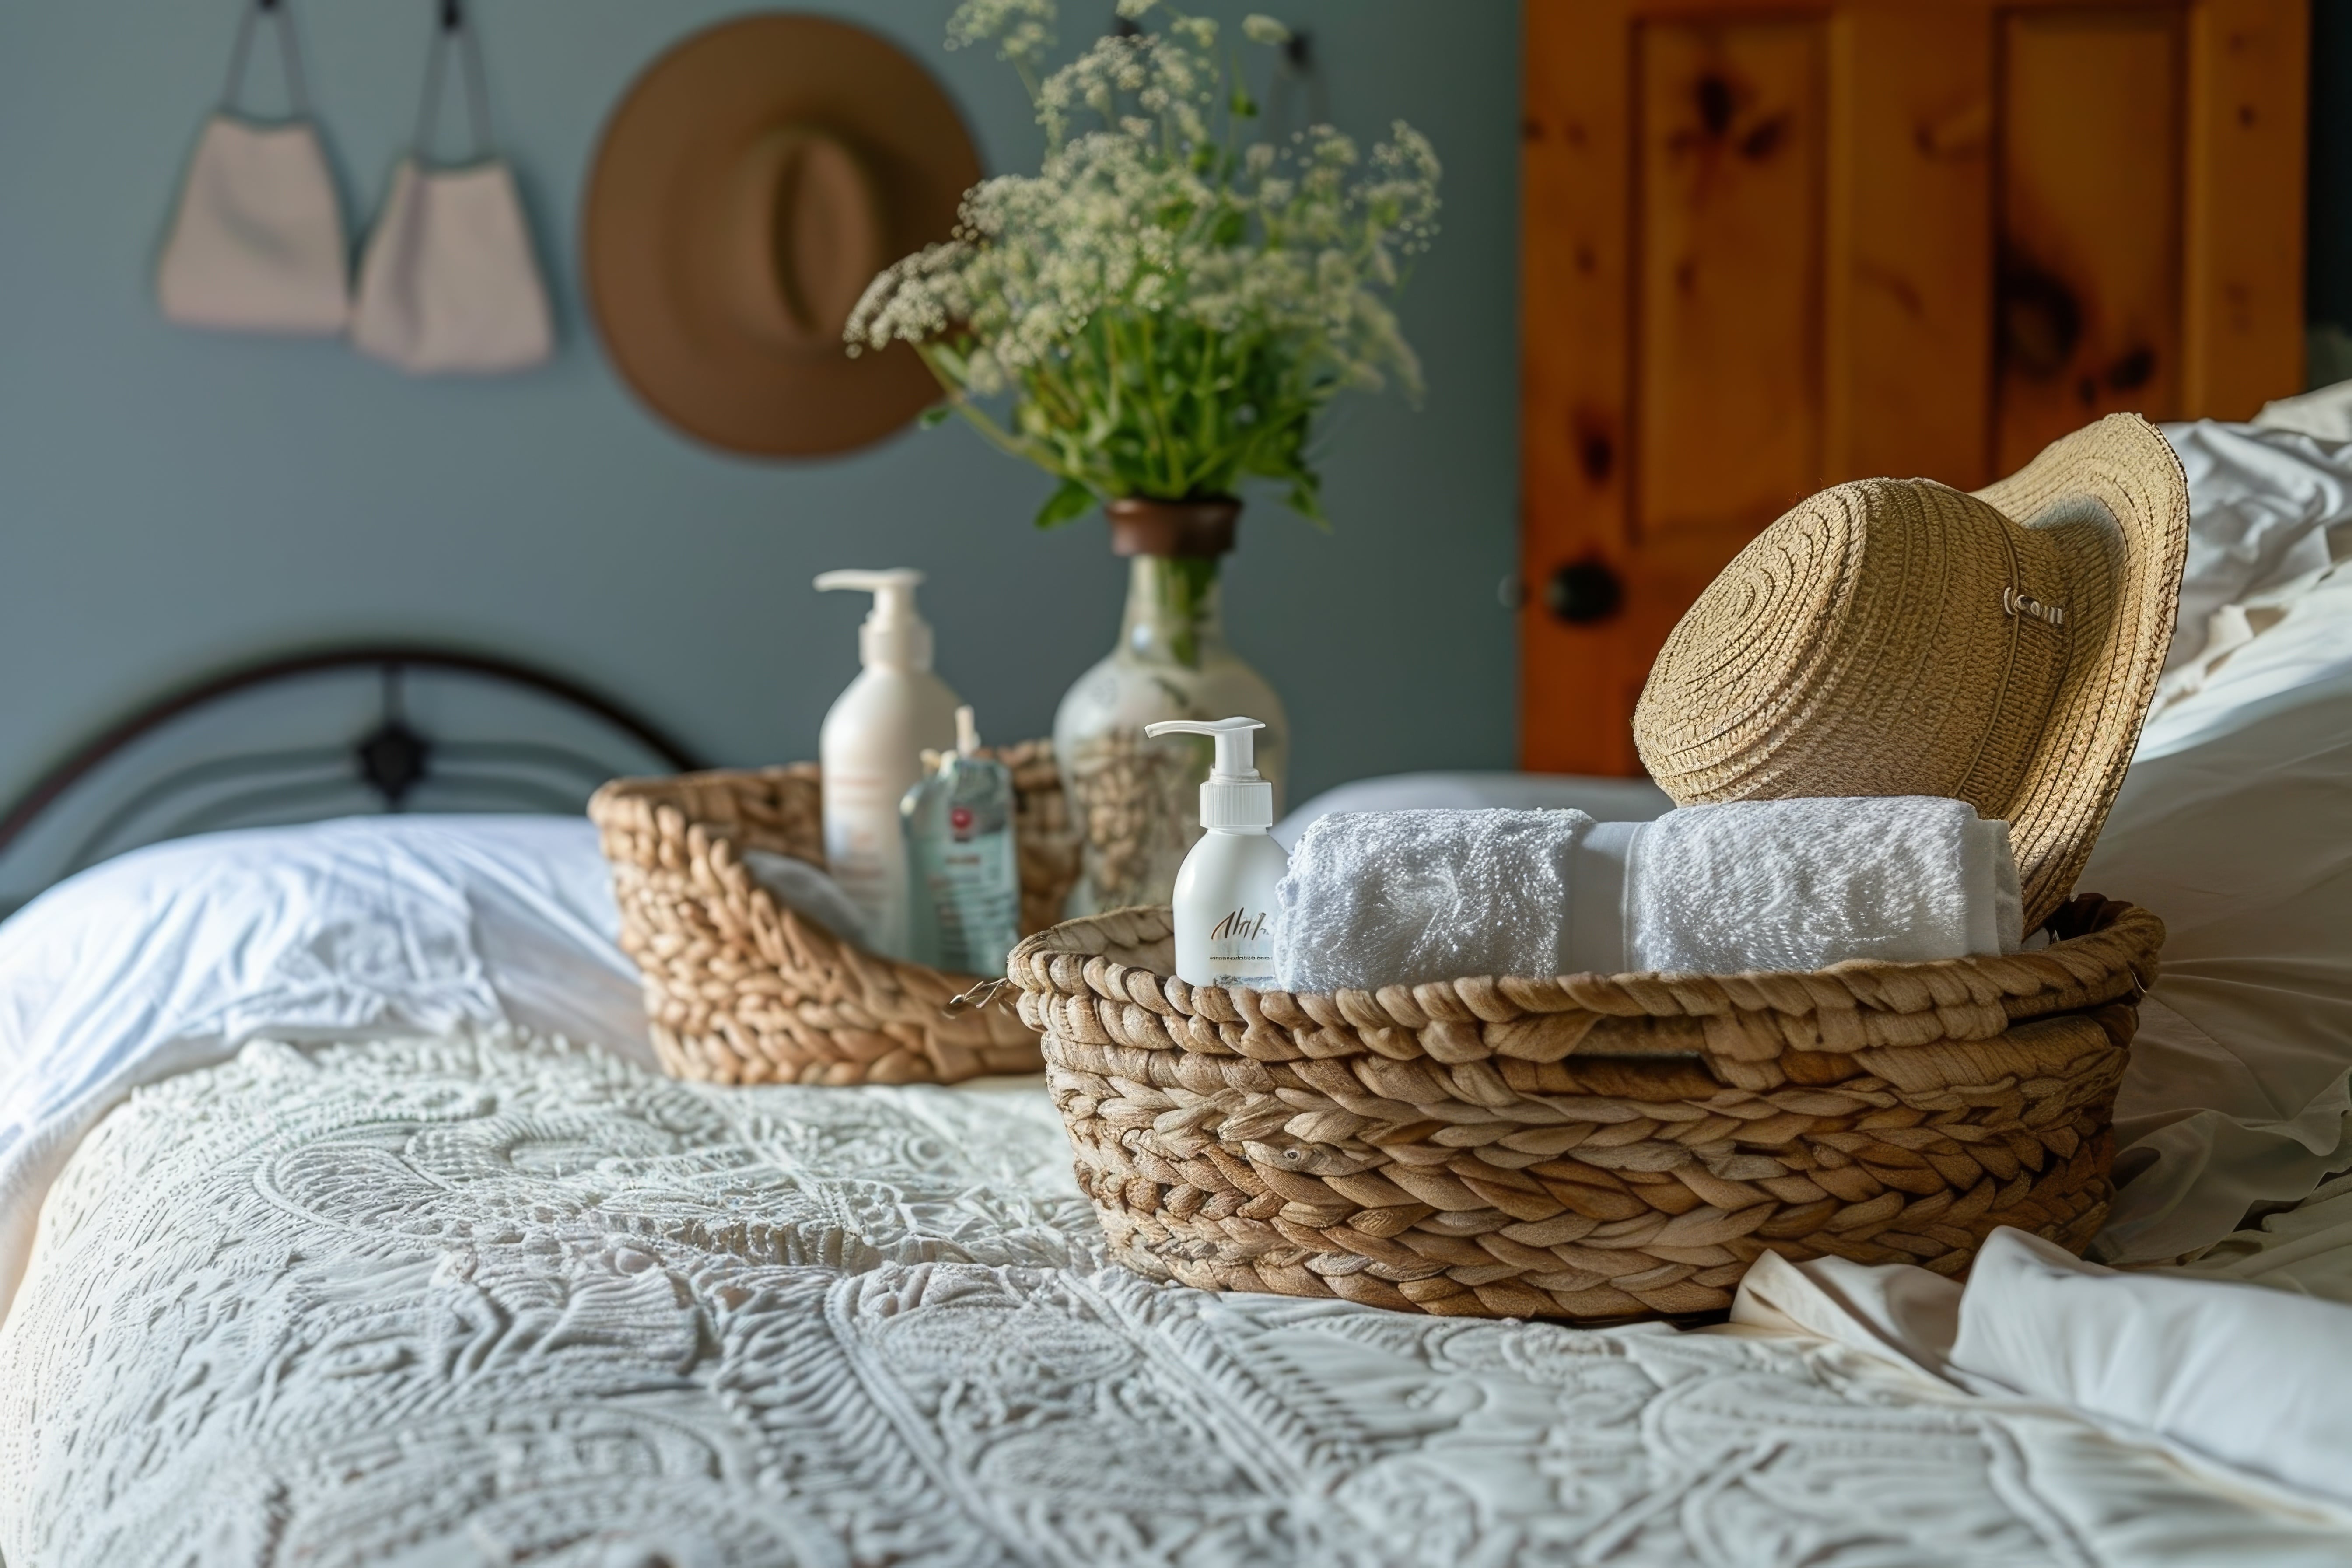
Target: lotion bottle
1225,904
871,751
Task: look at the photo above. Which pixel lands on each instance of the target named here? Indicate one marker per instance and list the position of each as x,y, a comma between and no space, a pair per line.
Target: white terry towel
1804,884
1400,898
1396,898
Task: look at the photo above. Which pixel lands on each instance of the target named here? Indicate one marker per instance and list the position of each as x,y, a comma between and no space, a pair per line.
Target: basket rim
2118,940
662,786
608,809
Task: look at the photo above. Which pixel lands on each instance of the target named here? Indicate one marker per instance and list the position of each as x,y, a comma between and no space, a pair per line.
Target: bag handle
455,29
288,51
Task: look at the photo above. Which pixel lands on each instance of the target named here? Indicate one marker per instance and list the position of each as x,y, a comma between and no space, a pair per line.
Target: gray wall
173,501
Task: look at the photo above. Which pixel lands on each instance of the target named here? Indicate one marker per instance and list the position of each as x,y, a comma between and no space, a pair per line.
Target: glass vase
1135,800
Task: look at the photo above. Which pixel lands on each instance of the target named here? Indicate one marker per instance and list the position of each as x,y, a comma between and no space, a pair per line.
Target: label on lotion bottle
1241,948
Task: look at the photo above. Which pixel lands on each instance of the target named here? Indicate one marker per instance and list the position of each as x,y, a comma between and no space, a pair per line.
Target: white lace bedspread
499,1302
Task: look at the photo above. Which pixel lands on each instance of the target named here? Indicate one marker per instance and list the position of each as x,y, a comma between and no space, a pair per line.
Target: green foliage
1070,500
1165,308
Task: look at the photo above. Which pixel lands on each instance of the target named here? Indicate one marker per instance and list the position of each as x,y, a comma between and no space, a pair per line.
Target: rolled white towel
1400,898
1804,884
1396,898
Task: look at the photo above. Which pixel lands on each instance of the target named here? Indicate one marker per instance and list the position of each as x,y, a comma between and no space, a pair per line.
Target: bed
343,1219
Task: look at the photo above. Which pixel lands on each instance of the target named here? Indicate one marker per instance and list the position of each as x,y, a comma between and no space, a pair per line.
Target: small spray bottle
1225,904
964,877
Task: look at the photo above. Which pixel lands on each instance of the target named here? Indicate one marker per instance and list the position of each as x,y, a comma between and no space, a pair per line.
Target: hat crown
1888,637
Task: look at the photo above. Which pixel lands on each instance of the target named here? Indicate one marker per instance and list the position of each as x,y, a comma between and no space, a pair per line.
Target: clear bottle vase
1136,801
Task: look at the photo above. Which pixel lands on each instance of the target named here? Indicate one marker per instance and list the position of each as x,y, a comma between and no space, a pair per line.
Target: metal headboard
377,727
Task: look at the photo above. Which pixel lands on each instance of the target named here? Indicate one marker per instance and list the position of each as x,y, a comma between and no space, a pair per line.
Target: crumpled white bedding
2222,1370
2235,825
495,1302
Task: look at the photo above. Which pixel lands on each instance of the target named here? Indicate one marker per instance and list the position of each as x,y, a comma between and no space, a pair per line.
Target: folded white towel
808,892
1400,898
1396,898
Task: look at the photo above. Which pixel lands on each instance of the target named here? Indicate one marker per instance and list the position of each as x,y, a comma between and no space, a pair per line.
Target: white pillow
174,956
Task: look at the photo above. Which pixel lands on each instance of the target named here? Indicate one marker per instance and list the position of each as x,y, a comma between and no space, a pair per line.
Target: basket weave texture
1589,1147
739,989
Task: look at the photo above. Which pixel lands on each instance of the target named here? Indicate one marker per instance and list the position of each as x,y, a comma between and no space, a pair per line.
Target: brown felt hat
749,185
1897,637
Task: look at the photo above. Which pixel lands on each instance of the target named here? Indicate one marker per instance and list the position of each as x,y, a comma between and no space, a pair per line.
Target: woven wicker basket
740,990
1590,1147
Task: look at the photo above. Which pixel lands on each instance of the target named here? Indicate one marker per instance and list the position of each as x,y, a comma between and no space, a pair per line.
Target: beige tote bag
258,242
449,284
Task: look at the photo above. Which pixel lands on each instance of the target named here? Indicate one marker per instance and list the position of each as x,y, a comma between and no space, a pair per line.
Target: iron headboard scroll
389,760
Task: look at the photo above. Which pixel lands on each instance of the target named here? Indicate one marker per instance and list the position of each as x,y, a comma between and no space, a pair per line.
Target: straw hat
1896,637
748,188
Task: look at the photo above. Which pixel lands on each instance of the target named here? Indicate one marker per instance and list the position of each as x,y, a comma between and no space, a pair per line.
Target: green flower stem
1172,606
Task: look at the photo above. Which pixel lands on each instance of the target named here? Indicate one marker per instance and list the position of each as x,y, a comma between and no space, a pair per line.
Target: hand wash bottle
959,851
1226,906
871,751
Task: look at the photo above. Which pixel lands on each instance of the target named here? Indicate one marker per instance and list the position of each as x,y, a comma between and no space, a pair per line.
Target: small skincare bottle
1226,906
964,877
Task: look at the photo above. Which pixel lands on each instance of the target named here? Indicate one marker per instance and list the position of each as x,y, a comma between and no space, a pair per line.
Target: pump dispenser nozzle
894,632
1234,795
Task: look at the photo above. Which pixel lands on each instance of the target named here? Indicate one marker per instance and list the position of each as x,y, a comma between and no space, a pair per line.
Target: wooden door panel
2244,254
2089,291
1907,346
1768,245
1576,173
1726,274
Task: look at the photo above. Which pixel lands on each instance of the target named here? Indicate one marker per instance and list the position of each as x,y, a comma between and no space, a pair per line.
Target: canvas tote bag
449,283
257,243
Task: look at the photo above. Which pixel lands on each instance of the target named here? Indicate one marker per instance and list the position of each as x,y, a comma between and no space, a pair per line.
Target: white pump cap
893,632
1234,795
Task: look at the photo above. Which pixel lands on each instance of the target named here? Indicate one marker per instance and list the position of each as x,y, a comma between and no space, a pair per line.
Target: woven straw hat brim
2124,466
668,175
1897,637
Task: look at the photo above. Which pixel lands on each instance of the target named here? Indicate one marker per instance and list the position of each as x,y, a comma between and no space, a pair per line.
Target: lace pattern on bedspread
510,1302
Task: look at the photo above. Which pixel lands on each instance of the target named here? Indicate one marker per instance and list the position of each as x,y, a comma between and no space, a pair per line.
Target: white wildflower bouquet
1169,302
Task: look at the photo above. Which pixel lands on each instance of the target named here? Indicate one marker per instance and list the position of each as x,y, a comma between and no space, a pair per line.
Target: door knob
1583,592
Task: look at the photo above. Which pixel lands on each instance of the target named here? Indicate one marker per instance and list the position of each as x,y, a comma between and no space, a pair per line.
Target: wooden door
1767,246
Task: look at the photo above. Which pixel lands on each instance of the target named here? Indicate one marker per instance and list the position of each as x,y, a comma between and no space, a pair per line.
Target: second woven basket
1589,1147
739,989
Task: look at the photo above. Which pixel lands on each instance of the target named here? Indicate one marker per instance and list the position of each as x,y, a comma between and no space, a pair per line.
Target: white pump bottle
870,750
1225,905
